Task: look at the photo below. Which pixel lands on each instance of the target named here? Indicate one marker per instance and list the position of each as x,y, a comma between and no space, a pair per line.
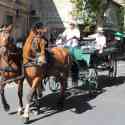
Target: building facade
16,12
112,16
54,13
122,3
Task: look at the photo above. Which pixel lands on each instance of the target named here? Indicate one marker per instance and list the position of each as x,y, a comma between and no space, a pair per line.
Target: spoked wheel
113,68
90,79
54,85
93,80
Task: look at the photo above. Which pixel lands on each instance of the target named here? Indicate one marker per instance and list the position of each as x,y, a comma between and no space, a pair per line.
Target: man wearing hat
100,39
70,36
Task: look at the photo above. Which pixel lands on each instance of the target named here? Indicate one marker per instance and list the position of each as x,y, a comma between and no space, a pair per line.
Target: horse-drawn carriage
89,63
85,58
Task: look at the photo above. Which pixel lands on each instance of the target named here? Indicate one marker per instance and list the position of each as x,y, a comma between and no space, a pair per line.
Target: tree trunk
100,16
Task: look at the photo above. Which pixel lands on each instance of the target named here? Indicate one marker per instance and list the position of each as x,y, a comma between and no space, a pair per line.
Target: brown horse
54,62
10,66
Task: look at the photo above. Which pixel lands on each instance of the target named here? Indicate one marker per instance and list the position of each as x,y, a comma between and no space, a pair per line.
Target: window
9,19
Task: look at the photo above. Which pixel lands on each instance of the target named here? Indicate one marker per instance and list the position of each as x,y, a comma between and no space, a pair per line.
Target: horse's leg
40,90
3,99
60,103
29,98
74,73
37,96
20,95
38,93
35,99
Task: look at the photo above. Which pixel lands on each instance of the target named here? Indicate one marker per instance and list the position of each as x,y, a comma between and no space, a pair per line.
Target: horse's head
6,43
5,35
35,44
38,33
39,30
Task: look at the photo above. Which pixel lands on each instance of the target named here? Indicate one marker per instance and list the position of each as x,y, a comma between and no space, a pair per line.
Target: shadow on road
76,99
77,104
105,81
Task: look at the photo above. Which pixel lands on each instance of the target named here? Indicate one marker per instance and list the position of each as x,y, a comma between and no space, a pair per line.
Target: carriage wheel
54,85
93,80
90,80
113,69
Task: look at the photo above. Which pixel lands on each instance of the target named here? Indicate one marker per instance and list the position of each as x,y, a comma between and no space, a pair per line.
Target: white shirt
100,41
68,37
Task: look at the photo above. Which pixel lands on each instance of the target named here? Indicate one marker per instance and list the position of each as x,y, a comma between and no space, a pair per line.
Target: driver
100,39
70,37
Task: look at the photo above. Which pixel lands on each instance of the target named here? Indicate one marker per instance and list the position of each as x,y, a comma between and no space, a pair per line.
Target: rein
5,52
33,61
4,48
4,82
7,49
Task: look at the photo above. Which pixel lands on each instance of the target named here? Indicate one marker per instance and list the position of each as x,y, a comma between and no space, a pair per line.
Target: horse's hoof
7,107
25,120
35,112
19,113
60,106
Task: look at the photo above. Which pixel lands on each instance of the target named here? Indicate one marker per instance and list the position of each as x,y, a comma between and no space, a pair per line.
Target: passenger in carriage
100,39
70,37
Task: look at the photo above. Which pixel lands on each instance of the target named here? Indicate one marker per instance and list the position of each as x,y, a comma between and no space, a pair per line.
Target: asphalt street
107,108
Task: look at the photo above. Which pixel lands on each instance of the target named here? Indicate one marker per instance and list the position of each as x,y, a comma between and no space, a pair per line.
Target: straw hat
72,21
100,29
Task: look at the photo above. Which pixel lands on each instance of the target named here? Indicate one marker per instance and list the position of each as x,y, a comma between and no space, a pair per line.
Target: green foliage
79,4
121,14
86,10
95,5
90,12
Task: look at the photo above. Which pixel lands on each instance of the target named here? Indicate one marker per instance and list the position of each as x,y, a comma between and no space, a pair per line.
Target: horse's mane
29,38
27,44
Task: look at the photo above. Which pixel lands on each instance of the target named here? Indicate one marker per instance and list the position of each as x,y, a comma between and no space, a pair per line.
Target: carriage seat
79,55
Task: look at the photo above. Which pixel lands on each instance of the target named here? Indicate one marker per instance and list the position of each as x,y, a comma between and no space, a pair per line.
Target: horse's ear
9,28
34,30
45,29
32,33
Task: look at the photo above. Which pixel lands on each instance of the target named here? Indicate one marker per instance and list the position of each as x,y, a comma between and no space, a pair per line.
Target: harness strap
8,69
4,82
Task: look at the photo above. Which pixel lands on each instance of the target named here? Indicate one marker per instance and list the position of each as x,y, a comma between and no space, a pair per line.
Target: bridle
5,49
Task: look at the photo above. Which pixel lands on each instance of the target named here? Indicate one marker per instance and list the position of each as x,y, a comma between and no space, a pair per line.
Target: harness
35,60
6,52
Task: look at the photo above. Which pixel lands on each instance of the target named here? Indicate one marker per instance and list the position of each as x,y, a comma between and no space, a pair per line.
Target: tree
82,12
90,11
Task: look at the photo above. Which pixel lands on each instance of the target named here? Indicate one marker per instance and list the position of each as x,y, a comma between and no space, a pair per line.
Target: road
107,108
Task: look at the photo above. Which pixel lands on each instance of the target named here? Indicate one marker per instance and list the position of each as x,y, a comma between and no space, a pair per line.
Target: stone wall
16,13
